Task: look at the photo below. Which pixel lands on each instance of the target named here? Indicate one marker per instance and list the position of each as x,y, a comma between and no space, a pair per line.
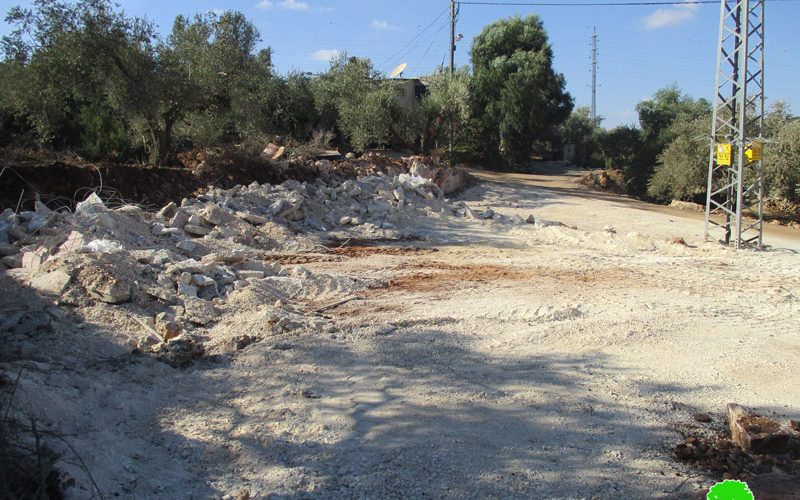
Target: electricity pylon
736,171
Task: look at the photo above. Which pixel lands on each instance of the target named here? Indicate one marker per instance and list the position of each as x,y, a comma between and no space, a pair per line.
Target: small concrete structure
412,91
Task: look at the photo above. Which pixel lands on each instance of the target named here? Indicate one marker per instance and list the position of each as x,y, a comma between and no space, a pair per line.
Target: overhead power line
603,4
389,59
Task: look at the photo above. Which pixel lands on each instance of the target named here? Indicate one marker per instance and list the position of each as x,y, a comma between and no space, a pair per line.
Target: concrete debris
187,291
180,352
12,261
7,250
75,243
197,256
109,289
686,205
760,435
238,343
32,260
52,283
199,311
166,326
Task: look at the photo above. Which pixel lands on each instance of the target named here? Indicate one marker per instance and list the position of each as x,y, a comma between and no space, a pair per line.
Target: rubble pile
175,271
606,180
749,447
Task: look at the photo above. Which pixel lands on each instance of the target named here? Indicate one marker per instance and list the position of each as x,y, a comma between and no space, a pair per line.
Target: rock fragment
8,250
757,434
167,327
109,289
52,283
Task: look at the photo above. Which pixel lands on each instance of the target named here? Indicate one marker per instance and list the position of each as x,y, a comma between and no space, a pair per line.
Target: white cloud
324,55
294,5
379,25
285,4
663,18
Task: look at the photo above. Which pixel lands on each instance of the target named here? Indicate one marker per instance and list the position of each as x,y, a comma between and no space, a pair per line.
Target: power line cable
426,28
434,40
605,4
420,43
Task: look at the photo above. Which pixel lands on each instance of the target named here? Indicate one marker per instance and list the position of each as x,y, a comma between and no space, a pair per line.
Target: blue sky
641,49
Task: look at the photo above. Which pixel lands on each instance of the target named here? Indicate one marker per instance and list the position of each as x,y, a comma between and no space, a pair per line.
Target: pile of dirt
181,265
606,180
65,180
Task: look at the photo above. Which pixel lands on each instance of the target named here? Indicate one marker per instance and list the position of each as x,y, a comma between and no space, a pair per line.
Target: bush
585,133
682,169
782,163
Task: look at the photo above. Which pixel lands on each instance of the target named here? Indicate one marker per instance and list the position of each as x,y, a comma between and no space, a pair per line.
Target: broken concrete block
200,312
243,274
187,290
254,265
420,169
167,327
75,243
187,246
179,220
757,434
12,261
17,232
200,281
168,212
90,206
8,250
252,218
159,293
110,290
226,258
196,230
216,215
52,283
32,260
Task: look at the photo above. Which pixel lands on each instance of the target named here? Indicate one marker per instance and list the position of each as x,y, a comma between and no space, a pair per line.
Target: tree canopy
518,99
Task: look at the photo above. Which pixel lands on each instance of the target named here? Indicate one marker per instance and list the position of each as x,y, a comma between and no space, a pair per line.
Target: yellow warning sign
753,152
724,154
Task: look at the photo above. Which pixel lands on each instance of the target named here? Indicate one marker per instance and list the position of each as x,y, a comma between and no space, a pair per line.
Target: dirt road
481,360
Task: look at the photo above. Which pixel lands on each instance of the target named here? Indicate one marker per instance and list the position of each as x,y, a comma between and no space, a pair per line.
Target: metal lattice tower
735,172
594,74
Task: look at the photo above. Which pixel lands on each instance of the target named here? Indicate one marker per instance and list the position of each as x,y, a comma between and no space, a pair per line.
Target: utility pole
735,169
452,36
594,74
452,66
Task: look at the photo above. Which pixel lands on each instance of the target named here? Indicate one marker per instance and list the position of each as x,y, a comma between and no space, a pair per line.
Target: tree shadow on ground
421,414
93,400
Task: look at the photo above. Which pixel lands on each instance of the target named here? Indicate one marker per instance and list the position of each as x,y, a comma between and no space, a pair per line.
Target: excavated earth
449,356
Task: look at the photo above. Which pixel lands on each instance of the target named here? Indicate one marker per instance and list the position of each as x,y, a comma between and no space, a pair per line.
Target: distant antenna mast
735,170
594,73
